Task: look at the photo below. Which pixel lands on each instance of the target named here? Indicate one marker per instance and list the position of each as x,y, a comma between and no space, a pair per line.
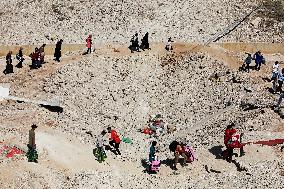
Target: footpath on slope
76,156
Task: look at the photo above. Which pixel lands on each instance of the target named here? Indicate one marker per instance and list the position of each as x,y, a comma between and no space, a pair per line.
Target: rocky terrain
113,87
121,90
37,21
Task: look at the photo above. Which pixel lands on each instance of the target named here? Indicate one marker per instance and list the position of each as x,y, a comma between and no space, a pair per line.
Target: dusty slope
121,89
28,22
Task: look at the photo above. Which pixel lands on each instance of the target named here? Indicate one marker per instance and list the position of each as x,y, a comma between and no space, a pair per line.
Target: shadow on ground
216,151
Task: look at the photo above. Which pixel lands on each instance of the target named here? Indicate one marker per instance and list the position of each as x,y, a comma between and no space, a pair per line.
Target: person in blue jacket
258,57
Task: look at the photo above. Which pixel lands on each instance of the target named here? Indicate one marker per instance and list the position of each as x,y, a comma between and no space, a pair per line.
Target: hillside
121,89
30,22
198,88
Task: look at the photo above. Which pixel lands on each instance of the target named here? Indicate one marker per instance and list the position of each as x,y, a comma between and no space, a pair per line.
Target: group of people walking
37,57
135,43
145,43
113,145
257,57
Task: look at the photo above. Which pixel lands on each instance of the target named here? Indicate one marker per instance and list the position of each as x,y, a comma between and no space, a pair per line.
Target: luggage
155,165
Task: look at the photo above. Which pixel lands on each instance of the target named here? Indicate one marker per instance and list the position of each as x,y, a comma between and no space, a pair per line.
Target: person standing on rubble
41,54
275,76
57,53
231,141
258,57
280,81
152,153
178,149
277,108
32,153
180,152
99,151
35,59
114,140
134,43
247,62
169,46
89,44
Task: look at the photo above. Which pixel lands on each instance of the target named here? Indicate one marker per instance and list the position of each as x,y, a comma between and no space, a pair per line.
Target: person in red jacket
89,44
35,59
232,140
114,140
179,152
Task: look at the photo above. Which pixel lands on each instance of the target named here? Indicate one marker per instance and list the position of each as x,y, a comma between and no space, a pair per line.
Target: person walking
152,153
100,151
169,46
9,65
20,58
145,42
114,140
32,153
258,57
57,53
280,81
134,43
89,44
279,100
247,62
41,55
275,76
35,59
231,141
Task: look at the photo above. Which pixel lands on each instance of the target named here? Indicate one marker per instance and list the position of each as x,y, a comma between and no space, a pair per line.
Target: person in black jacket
57,53
145,42
20,58
9,65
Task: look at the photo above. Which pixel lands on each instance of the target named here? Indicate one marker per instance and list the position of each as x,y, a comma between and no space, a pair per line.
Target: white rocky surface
36,21
120,89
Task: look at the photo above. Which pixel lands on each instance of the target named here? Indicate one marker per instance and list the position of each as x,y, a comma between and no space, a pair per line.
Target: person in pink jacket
89,44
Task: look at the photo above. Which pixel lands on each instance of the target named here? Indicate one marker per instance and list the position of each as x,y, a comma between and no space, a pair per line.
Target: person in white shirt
275,69
100,143
275,75
169,46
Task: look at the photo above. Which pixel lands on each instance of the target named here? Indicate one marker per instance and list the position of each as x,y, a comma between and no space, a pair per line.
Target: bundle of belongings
10,151
156,125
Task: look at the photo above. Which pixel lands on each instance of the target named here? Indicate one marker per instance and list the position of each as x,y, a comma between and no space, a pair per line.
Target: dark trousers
247,67
20,64
279,88
9,69
35,64
57,55
228,154
116,147
89,50
257,65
